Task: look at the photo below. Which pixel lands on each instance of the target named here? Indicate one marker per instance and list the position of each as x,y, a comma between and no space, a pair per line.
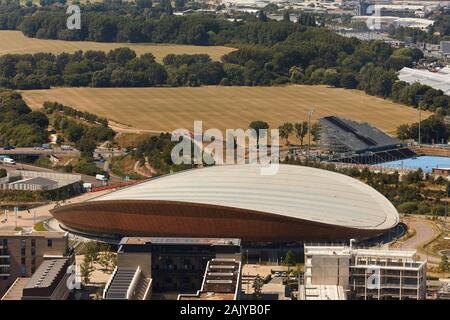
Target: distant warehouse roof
437,80
237,201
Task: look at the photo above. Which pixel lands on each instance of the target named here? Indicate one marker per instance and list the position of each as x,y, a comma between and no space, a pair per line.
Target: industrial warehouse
297,204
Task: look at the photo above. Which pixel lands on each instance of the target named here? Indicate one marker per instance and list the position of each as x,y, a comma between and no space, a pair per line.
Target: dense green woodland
269,53
19,126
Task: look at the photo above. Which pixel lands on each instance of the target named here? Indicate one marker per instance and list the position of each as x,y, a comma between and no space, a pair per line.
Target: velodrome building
236,201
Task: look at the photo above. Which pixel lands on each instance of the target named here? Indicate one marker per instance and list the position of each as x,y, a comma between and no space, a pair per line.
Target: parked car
8,161
66,147
8,148
101,177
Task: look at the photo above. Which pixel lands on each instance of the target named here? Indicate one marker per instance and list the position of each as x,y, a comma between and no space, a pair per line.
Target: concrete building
366,273
321,292
439,80
157,266
221,281
441,171
40,181
384,22
21,254
50,281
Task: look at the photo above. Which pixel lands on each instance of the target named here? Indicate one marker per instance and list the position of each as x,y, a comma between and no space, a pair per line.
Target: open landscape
166,109
345,197
14,42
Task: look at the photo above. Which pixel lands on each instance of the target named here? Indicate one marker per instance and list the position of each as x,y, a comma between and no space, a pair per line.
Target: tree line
269,53
19,125
315,56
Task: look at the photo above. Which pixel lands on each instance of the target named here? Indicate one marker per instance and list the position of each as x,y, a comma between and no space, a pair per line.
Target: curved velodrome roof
295,191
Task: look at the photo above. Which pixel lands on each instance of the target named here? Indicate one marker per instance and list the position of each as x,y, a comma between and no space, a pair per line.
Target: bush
408,207
88,168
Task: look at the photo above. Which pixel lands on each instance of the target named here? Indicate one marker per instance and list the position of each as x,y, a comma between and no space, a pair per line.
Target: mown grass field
165,109
16,42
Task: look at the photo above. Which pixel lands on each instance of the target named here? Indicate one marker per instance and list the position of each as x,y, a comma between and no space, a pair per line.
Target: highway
43,152
30,167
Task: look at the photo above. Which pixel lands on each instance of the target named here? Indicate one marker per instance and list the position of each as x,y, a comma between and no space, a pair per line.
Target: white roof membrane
295,191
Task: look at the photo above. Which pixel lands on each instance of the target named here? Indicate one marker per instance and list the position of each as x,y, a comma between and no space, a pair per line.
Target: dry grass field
16,42
165,109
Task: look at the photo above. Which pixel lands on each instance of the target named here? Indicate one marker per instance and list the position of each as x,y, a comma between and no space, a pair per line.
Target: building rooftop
354,135
294,191
321,292
436,80
181,241
38,180
34,234
46,274
221,281
383,258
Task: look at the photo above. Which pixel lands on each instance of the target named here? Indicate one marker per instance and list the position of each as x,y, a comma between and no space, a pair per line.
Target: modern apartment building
21,254
148,266
367,273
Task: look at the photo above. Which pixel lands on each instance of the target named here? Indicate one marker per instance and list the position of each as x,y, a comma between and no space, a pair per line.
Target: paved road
27,219
30,167
424,233
32,151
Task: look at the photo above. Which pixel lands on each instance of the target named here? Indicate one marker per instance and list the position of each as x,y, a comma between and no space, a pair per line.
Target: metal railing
108,284
132,288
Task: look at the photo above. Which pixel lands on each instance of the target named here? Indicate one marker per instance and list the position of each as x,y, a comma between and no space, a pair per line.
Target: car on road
8,148
38,148
6,160
101,177
66,147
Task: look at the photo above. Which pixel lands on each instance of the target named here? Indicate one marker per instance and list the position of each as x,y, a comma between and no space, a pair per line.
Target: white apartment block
366,273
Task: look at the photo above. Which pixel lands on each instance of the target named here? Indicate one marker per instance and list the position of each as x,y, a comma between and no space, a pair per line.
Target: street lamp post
420,120
419,99
309,129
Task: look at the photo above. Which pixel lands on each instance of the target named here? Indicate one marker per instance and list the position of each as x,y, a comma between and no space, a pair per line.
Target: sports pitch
14,42
166,109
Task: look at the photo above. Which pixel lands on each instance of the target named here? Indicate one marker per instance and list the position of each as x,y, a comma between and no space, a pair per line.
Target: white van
101,177
87,186
9,161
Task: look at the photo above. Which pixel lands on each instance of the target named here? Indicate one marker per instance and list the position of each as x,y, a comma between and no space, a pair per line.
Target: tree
444,266
286,16
87,146
144,4
86,269
315,131
258,283
285,130
262,16
258,125
403,132
301,129
107,259
289,259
